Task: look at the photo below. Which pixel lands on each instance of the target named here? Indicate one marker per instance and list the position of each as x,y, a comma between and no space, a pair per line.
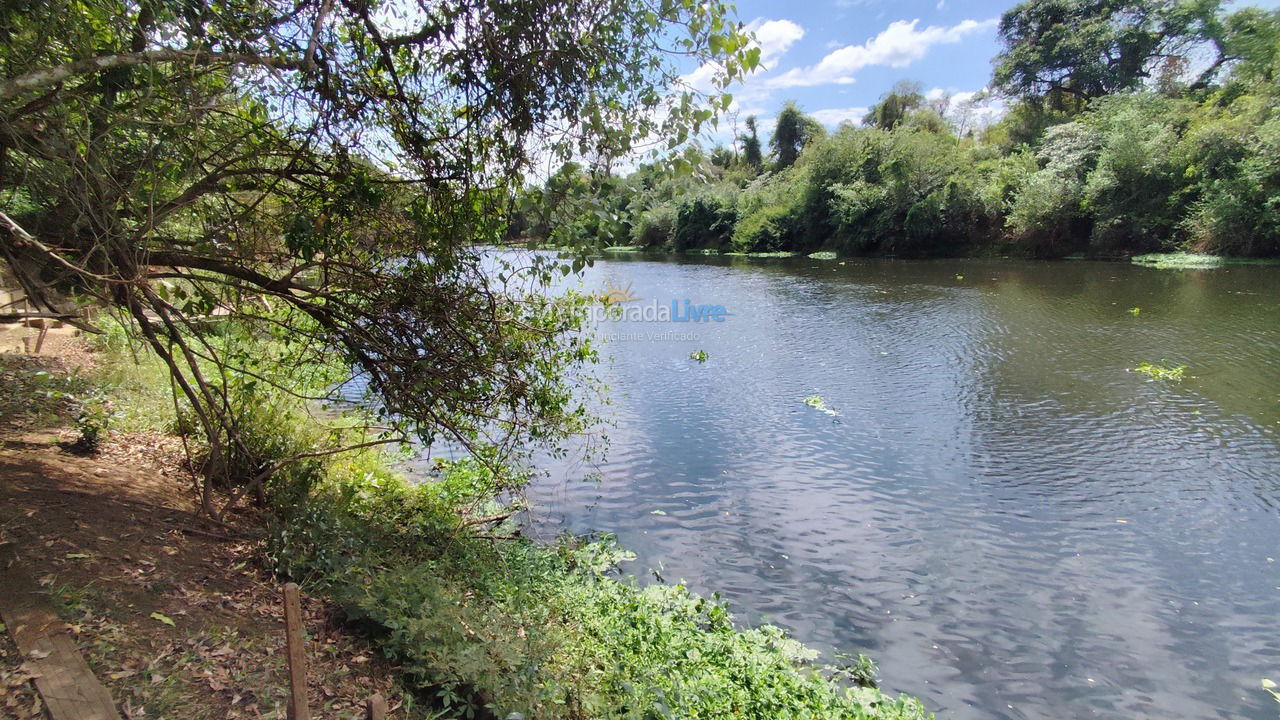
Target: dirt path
171,611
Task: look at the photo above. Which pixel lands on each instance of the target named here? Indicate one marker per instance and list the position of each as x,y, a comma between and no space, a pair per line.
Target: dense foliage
324,171
1135,126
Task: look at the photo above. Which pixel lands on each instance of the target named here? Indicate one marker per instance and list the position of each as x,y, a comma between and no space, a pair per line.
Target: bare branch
51,76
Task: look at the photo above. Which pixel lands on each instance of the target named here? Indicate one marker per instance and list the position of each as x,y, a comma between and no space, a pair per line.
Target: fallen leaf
162,618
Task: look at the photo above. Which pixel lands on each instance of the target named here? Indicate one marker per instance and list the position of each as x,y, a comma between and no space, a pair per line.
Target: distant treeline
1131,127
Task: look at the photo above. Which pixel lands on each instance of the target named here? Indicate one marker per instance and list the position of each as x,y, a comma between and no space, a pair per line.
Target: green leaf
162,618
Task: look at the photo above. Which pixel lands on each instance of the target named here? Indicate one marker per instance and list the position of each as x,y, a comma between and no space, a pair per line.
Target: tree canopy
1090,48
751,151
792,131
1130,127
324,170
895,105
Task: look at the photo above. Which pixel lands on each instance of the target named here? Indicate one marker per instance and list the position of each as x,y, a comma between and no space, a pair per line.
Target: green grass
779,254
1193,261
623,249
136,380
482,620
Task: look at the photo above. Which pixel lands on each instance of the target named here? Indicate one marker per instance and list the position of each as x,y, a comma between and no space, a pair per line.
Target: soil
172,611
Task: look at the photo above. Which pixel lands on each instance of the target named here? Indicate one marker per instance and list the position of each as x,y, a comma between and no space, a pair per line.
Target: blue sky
836,57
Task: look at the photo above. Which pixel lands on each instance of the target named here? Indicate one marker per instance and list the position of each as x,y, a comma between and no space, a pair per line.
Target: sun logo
614,295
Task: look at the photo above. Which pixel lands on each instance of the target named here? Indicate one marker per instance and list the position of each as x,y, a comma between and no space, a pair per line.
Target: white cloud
775,38
897,46
832,117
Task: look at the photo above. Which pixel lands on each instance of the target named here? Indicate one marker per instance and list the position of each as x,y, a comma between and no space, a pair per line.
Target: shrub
1047,213
1239,212
768,229
92,422
914,192
852,155
1135,189
527,630
655,226
703,222
770,212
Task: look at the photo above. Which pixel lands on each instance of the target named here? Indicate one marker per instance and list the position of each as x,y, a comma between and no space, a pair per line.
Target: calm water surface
1011,523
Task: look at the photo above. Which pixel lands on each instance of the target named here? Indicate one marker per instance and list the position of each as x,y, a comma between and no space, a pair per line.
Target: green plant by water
817,403
1162,372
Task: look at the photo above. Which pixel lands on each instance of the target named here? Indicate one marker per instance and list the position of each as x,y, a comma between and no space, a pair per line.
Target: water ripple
1010,521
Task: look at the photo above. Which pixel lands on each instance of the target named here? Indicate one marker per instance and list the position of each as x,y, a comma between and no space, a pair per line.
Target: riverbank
1163,261
472,617
174,614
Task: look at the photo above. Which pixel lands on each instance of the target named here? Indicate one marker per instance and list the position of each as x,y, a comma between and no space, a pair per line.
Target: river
1010,521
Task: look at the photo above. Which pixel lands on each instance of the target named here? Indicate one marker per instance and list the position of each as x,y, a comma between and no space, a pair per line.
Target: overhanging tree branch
102,63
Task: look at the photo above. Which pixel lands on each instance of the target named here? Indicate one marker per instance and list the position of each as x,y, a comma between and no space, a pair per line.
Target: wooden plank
295,648
69,688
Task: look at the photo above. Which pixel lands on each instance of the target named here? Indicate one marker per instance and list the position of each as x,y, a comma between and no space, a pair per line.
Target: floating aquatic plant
1195,261
1162,372
817,403
701,356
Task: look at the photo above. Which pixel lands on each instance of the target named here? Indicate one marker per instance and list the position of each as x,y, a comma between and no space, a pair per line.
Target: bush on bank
1134,173
489,623
535,631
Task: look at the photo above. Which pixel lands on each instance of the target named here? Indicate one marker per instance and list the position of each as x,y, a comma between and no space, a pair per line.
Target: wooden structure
70,689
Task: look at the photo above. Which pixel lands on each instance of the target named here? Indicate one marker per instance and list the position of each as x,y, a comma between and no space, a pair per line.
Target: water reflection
1012,523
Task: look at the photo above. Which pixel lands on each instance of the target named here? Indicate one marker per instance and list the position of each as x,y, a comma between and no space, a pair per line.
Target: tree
1084,49
722,157
322,171
895,105
968,115
793,131
1252,41
751,145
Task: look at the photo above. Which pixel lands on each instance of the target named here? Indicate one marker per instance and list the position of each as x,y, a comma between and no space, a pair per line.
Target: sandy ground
172,611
